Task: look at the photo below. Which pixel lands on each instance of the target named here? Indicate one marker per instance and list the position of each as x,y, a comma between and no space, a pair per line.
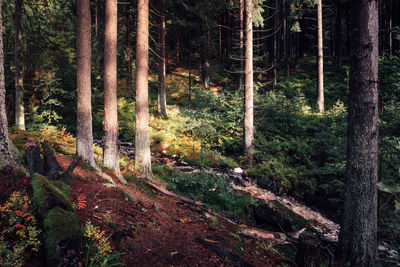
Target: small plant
99,251
21,227
81,201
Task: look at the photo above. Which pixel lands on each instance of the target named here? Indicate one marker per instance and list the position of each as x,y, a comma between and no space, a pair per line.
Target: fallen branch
223,253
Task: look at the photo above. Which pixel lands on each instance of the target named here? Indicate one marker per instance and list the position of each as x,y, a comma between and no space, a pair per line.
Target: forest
199,133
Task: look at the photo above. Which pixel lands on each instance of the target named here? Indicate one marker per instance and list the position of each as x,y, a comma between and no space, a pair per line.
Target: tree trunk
162,72
321,104
128,54
19,84
241,43
274,54
84,138
358,236
190,80
390,27
142,135
339,32
285,38
5,153
248,134
110,146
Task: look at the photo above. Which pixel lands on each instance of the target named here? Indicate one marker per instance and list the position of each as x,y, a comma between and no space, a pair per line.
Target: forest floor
149,228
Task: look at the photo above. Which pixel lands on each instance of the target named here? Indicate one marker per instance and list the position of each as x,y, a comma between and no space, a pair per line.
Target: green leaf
388,186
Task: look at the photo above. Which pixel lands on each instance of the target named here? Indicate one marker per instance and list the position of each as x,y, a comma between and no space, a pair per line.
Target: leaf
388,186
397,205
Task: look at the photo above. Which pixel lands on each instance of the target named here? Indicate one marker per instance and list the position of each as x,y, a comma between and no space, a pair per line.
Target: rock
238,170
278,216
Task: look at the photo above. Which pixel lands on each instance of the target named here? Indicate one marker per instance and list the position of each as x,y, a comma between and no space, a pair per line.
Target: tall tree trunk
241,43
142,135
84,138
177,50
390,27
190,80
5,153
248,134
19,84
274,54
321,104
285,38
162,72
128,54
358,236
339,32
110,123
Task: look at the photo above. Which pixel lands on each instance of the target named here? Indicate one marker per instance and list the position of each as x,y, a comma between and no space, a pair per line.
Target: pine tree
142,135
84,138
358,235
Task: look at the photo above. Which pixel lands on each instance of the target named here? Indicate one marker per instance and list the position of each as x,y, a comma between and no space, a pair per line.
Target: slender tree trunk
128,54
110,123
321,104
339,32
358,236
390,27
274,54
162,71
84,138
5,153
241,43
285,38
177,50
96,18
190,79
19,84
142,136
248,134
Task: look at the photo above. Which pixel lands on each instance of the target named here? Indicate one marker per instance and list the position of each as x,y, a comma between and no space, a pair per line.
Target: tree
248,134
321,105
142,135
5,145
358,236
110,123
19,84
162,92
84,138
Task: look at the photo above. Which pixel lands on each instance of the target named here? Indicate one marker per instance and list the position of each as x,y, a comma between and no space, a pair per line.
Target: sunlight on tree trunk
321,104
19,83
162,72
142,135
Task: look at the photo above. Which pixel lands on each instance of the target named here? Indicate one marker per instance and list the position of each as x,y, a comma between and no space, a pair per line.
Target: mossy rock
279,216
62,234
50,194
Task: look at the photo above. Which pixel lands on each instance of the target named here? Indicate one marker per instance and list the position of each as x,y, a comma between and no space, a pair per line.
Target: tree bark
5,153
110,146
321,104
128,54
358,236
274,50
162,72
286,39
339,32
241,43
84,138
142,135
19,84
248,134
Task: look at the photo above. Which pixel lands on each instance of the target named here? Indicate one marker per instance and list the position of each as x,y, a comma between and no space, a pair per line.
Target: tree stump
308,250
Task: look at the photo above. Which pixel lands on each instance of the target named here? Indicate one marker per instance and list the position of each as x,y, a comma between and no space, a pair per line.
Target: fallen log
224,254
61,227
242,228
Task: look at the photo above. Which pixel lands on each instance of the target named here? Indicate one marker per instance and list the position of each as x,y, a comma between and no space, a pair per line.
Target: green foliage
47,193
98,248
21,234
211,189
60,224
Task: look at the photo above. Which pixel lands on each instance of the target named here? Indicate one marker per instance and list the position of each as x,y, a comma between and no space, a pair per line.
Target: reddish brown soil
160,238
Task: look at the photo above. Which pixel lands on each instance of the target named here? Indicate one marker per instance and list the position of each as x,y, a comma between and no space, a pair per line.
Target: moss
49,194
60,224
297,219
